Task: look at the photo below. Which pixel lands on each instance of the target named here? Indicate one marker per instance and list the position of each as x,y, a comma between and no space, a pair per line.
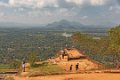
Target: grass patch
6,68
45,69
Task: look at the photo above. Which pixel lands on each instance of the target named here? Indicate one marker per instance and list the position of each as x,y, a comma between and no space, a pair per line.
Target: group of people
76,67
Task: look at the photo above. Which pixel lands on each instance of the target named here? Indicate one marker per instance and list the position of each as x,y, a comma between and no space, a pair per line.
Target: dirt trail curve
93,76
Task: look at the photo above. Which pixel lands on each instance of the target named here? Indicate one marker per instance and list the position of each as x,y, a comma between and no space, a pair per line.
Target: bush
15,64
32,58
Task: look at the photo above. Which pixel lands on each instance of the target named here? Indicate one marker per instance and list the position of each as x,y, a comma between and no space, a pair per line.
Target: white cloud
78,2
20,9
89,2
114,9
39,13
33,3
98,2
4,4
36,11
84,17
63,12
2,14
110,8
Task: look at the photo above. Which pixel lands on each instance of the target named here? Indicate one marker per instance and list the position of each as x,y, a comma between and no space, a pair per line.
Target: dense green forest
18,44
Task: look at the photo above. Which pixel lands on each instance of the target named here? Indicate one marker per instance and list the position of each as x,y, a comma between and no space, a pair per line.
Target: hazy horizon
43,12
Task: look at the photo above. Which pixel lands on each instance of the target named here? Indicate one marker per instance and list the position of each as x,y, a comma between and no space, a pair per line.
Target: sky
90,12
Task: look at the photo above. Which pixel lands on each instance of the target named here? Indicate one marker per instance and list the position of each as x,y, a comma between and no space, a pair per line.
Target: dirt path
94,76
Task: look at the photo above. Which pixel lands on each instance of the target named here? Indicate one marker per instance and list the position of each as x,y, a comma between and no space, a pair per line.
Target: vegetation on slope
35,45
105,49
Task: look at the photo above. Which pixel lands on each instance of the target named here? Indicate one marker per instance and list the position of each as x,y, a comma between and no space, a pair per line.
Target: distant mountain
64,24
74,26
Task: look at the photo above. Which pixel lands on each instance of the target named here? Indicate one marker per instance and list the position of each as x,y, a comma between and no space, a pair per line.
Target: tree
32,58
114,45
114,37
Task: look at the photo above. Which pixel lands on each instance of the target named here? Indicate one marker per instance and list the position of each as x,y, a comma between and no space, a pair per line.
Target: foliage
34,43
104,49
96,48
88,43
15,64
20,43
32,58
114,37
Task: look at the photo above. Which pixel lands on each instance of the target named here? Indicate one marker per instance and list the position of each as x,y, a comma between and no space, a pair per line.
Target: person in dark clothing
71,67
23,66
62,56
77,66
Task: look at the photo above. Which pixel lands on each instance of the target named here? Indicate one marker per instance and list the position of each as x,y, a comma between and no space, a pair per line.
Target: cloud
78,2
88,11
111,8
115,8
3,4
118,2
20,9
62,12
98,2
33,3
84,17
88,2
66,13
2,14
54,3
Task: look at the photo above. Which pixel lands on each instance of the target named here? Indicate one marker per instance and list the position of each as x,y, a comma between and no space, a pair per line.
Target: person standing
71,67
23,66
77,66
